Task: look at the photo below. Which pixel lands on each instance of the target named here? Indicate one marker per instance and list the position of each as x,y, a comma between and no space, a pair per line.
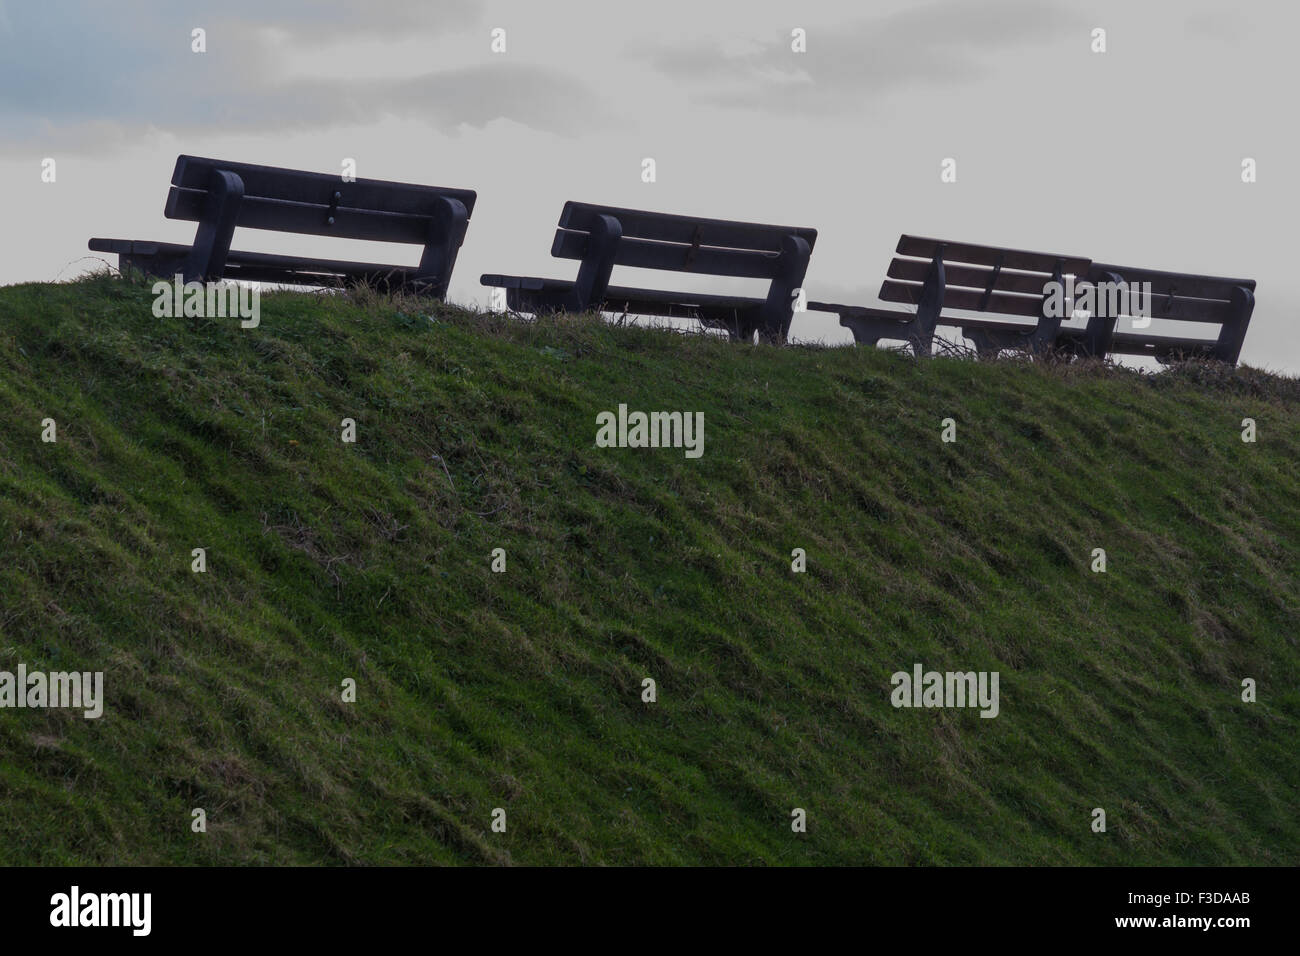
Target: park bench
937,276
1181,297
1009,285
601,237
221,195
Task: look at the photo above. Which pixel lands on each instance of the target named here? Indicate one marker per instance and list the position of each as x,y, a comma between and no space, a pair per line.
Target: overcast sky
1131,156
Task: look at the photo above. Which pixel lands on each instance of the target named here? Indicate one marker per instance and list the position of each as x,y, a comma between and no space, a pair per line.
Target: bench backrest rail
978,278
1186,297
221,195
601,237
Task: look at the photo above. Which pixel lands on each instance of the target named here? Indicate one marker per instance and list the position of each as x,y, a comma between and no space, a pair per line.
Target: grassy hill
522,690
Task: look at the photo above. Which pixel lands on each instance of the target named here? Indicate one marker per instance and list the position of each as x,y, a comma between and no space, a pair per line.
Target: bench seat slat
137,247
531,294
243,265
314,265
1128,343
861,311
1131,344
616,295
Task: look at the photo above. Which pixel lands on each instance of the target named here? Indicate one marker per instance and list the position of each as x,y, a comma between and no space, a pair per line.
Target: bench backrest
221,195
653,240
1186,297
978,278
605,236
289,200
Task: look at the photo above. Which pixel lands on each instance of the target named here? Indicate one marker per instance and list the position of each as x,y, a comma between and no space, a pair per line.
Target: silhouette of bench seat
1012,286
602,237
221,195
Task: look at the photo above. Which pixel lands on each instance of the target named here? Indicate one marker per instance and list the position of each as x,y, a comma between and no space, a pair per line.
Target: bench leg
1233,333
862,333
1098,336
593,275
985,347
777,311
207,258
918,329
1100,332
161,266
928,307
446,233
1043,337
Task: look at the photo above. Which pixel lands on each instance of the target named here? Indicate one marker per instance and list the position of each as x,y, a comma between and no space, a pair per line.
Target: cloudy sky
1131,156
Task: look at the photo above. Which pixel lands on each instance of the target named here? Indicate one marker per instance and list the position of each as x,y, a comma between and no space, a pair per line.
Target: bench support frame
597,265
446,233
1038,341
869,326
777,312
1233,332
207,258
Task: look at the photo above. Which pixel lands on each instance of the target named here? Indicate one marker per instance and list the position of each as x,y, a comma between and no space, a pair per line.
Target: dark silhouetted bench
937,276
601,237
221,195
1181,297
1010,287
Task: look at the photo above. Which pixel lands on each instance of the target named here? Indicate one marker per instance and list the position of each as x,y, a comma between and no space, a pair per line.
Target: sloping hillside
522,690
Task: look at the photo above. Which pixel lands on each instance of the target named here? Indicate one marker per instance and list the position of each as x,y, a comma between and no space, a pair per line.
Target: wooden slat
974,277
306,187
1129,343
383,278
256,265
617,294
238,273
666,227
138,247
269,260
1183,284
1025,260
1183,310
1006,302
529,283
307,218
991,325
1186,309
861,311
1124,343
675,256
528,293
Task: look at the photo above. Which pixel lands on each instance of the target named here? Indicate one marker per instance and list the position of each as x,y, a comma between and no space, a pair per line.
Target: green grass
522,690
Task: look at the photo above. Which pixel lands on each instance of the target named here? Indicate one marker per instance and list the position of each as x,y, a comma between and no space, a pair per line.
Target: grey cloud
92,77
939,45
530,95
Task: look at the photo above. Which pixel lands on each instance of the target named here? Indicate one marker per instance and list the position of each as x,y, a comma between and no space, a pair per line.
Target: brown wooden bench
601,237
1182,297
220,195
937,276
1011,287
